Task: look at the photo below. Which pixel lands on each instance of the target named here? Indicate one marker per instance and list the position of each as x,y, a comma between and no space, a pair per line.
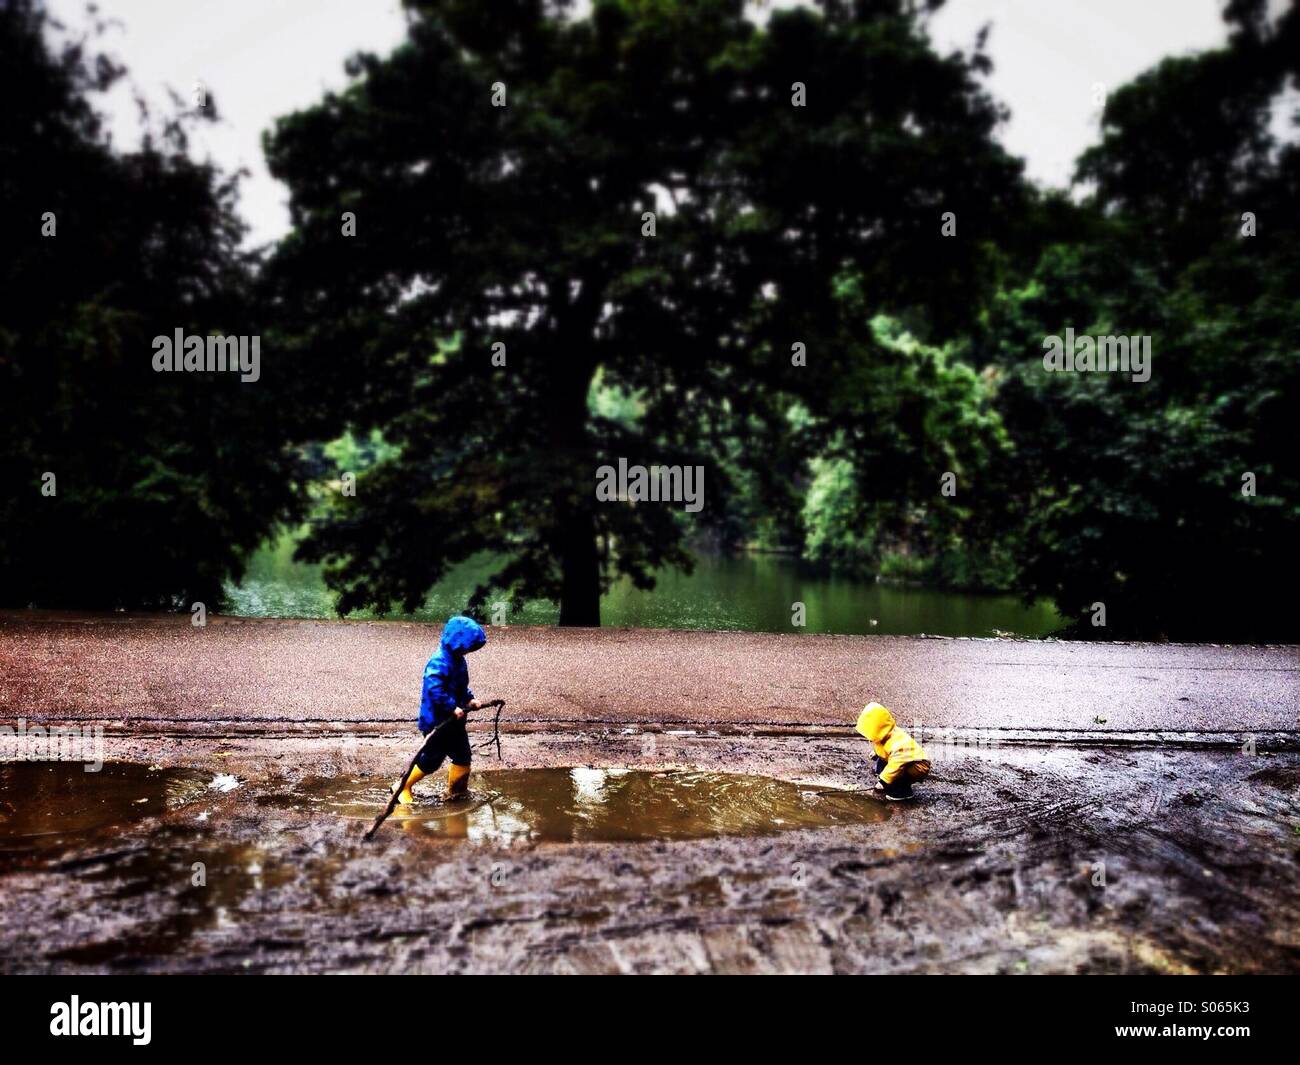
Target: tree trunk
574,541
580,567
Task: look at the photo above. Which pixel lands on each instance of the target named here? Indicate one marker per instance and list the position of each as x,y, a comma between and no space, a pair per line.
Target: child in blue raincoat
447,695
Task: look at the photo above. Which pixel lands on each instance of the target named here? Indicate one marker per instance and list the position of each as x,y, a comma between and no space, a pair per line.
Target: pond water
751,593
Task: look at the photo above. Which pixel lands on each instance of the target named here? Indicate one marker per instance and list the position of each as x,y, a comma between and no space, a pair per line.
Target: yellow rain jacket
890,742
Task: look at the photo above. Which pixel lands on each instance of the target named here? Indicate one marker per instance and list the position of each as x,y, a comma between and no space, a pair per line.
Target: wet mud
1021,858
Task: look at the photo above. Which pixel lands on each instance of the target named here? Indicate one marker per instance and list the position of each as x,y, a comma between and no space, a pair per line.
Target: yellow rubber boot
457,780
406,798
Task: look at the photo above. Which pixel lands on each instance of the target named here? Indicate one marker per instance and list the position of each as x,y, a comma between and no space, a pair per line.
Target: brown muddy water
576,804
47,805
181,885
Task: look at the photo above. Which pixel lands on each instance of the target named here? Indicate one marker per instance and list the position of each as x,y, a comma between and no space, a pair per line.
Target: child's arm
900,753
892,768
442,701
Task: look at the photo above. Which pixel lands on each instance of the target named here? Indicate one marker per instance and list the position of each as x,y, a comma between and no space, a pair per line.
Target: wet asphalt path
154,670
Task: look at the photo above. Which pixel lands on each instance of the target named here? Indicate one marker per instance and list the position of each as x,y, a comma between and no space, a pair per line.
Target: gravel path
162,669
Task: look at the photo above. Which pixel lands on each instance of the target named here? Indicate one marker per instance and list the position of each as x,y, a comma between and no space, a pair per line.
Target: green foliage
1130,494
836,530
521,225
910,414
163,481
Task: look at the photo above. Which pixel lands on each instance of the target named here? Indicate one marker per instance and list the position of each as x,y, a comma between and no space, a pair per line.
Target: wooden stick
496,728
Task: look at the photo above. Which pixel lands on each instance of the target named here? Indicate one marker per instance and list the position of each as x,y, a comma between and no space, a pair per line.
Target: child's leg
457,780
406,797
901,786
428,762
458,750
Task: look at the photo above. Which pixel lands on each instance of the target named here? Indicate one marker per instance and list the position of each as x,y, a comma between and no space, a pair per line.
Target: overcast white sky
263,58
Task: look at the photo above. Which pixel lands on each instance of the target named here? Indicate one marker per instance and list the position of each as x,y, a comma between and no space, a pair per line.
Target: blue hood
461,635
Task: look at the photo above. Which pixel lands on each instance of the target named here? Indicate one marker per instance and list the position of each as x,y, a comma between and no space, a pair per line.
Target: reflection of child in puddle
899,761
452,826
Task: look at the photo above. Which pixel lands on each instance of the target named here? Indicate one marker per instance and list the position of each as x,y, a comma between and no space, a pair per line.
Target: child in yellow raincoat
899,760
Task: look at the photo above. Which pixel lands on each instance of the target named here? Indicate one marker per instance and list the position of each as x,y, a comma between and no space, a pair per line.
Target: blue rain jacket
446,677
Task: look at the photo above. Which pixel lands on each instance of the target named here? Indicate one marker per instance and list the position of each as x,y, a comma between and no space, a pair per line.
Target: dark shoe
900,789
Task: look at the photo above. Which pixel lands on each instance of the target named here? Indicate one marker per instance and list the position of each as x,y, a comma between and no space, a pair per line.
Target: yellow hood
875,722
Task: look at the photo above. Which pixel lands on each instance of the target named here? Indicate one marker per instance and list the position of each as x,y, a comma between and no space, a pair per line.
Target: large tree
1174,502
778,158
123,487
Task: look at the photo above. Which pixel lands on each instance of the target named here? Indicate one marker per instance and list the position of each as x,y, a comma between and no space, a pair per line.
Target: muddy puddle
597,805
47,805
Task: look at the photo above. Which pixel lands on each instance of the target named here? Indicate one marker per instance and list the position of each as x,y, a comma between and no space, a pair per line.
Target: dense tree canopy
776,159
123,487
1173,501
479,305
